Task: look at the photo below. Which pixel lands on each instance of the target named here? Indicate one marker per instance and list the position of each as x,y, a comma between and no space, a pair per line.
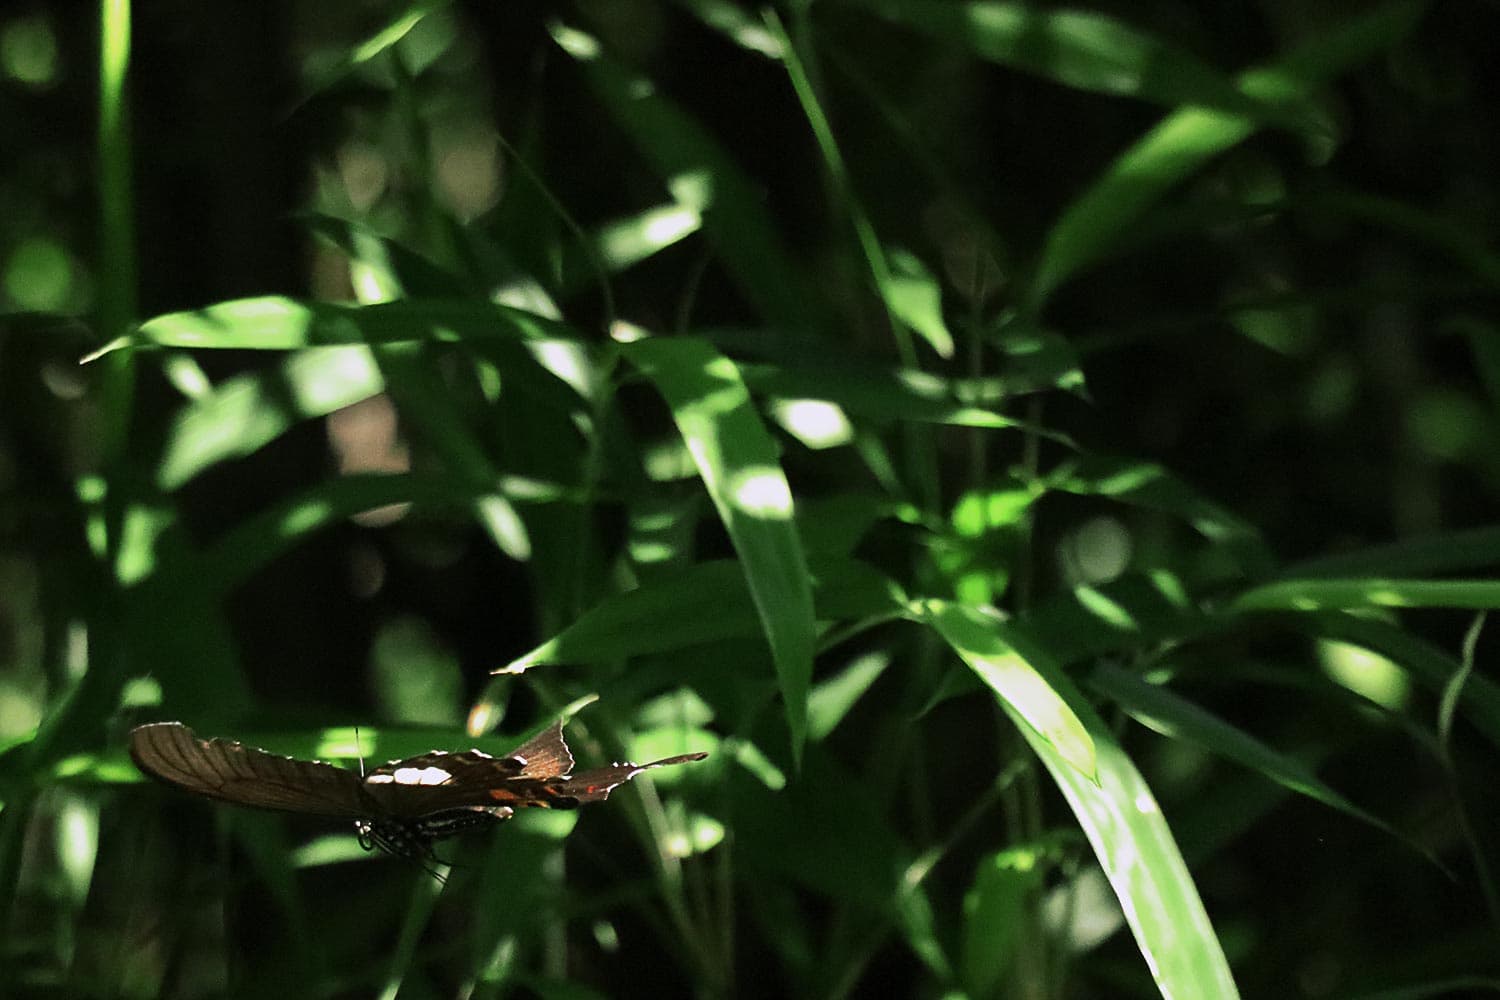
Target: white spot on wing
411,776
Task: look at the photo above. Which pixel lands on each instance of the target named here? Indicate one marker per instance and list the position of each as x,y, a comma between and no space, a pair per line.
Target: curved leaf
1123,823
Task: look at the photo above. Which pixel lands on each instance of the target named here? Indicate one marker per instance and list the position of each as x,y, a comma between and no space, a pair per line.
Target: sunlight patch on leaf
625,332
739,26
995,916
629,241
683,707
577,44
1102,606
980,511
330,849
141,692
504,525
975,638
832,699
916,298
568,360
818,424
77,844
1366,673
762,493
738,462
749,756
140,531
305,516
1332,594
668,461
693,188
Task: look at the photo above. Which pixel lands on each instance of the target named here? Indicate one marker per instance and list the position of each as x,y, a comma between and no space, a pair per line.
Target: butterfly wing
595,784
231,772
535,774
545,755
432,782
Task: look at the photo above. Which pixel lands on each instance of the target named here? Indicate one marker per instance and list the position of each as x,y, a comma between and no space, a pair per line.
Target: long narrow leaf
249,411
1174,716
1121,819
704,177
739,465
1083,49
1331,595
1021,688
1189,137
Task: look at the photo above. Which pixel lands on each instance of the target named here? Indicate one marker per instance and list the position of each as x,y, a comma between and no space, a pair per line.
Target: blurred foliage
1046,455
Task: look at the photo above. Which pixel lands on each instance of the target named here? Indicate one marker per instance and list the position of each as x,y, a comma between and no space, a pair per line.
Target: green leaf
1150,486
903,395
426,404
701,175
823,805
1431,665
375,45
699,604
1173,716
911,300
1085,50
996,913
703,603
916,298
740,467
1119,815
1131,613
1024,692
1186,139
277,323
1332,595
256,541
832,698
247,412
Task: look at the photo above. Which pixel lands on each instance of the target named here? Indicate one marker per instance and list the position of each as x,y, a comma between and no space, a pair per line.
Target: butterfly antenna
359,752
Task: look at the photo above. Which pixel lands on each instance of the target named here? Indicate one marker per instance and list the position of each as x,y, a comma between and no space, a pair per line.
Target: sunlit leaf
1187,138
1020,687
739,465
1333,595
1118,813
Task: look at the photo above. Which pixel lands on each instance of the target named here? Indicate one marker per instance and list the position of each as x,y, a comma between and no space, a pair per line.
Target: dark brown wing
595,784
232,772
435,781
534,774
545,755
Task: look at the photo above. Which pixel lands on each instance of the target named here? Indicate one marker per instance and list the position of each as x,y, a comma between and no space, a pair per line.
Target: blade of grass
1088,51
1429,664
1123,823
1368,592
278,323
1021,688
892,295
701,175
738,462
1175,717
247,412
1186,139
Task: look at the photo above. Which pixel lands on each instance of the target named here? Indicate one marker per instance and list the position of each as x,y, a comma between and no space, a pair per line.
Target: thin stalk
117,263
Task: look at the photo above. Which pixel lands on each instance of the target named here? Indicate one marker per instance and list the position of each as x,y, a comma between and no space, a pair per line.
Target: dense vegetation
1046,456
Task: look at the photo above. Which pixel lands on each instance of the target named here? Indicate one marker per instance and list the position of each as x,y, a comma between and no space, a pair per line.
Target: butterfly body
414,838
402,807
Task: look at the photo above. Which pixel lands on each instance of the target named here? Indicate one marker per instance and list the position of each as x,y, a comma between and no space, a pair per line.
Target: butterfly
403,807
